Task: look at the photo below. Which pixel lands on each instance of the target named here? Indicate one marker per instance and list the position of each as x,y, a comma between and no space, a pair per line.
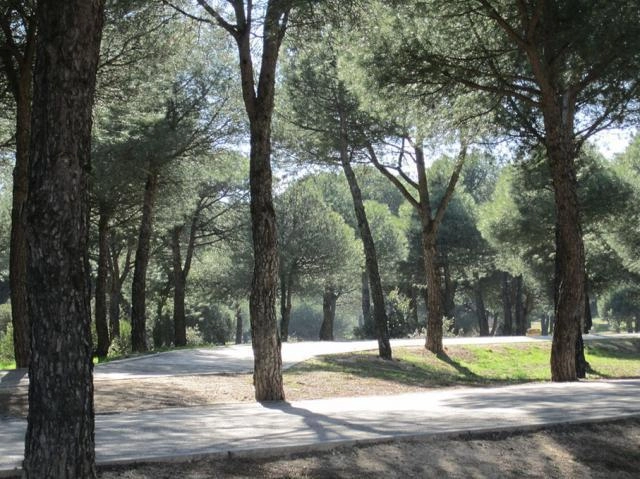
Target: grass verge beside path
473,365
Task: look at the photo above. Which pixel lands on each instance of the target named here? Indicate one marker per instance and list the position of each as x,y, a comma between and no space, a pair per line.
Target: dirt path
607,450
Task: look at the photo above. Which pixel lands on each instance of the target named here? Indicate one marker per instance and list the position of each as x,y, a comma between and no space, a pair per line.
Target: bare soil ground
605,451
184,391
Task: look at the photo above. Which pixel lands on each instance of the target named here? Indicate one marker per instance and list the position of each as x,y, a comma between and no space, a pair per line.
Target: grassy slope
477,365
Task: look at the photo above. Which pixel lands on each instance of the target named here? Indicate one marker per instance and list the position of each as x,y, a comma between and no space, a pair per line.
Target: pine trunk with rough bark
18,241
569,258
102,326
17,60
329,300
139,286
239,326
179,289
521,325
506,305
434,294
367,317
115,287
265,338
371,258
60,433
483,322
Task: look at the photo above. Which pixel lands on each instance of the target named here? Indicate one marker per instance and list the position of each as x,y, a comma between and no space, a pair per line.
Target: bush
5,316
194,336
6,345
121,345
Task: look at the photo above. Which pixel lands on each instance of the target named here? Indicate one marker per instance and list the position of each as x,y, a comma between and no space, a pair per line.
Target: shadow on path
321,423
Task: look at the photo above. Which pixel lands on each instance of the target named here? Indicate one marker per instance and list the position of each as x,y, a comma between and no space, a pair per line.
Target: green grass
478,365
7,364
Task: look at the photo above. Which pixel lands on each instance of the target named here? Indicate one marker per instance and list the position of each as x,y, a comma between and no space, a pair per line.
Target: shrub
6,344
194,336
121,345
5,316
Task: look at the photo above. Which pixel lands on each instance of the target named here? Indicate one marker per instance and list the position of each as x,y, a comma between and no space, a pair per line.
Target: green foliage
620,307
213,323
316,245
6,344
5,316
306,318
194,336
399,314
121,345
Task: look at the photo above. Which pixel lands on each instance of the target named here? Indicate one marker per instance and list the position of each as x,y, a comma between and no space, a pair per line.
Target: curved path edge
284,428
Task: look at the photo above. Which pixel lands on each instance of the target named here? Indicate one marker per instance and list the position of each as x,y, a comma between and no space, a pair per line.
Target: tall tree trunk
139,286
494,325
506,305
17,65
329,299
179,280
521,326
115,287
371,259
481,311
430,224
265,338
569,258
102,327
285,306
238,323
115,290
18,242
434,293
544,325
60,433
367,317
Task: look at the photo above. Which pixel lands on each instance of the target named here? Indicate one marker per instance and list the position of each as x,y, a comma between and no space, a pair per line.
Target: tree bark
179,280
139,286
521,326
506,305
434,293
481,312
371,259
102,327
367,317
115,287
329,299
259,104
494,325
569,258
238,323
18,242
544,324
17,63
60,433
430,224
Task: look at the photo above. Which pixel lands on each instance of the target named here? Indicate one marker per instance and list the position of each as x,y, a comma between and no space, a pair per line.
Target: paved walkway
239,358
250,428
